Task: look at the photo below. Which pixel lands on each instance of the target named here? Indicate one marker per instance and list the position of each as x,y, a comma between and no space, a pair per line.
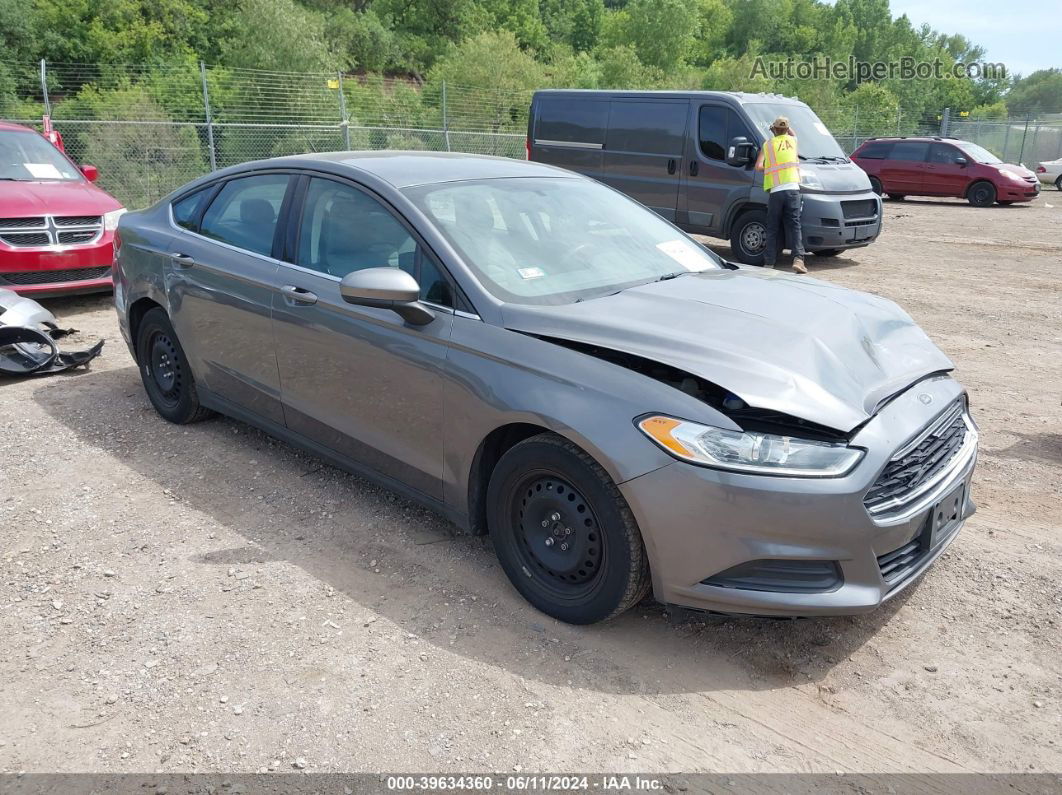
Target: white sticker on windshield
43,170
684,253
821,128
531,273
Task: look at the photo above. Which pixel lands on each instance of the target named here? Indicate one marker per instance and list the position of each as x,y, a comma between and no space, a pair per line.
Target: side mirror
91,173
386,288
739,152
961,161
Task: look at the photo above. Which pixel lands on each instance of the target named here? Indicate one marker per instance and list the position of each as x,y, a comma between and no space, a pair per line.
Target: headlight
748,451
809,179
1012,175
110,220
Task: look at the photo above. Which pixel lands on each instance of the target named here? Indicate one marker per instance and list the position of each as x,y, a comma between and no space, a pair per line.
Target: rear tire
981,194
875,185
897,197
165,372
563,533
748,237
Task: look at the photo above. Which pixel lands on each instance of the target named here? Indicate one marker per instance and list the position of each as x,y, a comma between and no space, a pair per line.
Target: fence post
1006,136
44,89
945,118
209,117
343,120
445,118
1021,152
898,120
1032,146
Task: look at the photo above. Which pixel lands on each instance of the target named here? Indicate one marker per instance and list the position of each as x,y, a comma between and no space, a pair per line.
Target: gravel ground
205,598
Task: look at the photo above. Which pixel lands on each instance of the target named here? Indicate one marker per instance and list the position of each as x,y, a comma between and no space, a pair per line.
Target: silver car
540,358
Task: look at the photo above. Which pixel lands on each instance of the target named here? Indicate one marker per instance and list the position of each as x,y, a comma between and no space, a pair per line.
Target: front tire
981,194
1058,182
165,372
897,197
748,237
563,533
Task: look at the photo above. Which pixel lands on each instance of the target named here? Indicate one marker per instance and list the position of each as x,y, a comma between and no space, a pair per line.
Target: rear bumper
58,270
826,227
698,523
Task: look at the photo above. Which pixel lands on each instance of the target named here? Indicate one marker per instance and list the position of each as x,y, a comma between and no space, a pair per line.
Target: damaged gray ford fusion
542,359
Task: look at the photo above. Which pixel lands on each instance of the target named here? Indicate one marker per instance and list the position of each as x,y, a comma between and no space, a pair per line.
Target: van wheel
875,185
748,237
827,252
981,194
164,370
897,197
563,532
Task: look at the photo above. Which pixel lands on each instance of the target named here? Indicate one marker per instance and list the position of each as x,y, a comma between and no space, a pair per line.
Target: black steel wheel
563,533
748,237
164,371
981,194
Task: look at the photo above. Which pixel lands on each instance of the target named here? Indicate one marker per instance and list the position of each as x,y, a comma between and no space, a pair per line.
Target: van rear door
644,151
569,132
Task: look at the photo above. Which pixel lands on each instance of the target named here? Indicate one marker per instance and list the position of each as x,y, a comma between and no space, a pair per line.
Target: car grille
915,468
896,565
54,277
62,230
863,208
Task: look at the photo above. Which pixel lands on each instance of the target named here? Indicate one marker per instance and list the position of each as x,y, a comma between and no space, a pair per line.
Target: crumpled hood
787,343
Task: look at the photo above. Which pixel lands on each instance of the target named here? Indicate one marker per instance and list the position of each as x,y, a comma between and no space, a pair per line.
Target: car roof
919,138
742,97
405,169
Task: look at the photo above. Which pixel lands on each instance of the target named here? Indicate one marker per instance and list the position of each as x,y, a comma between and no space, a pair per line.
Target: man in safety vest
781,179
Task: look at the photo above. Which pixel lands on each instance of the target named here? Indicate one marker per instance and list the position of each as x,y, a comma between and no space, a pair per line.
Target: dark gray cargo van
689,156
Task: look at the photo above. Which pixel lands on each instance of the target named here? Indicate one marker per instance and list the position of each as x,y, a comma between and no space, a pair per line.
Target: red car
933,166
56,227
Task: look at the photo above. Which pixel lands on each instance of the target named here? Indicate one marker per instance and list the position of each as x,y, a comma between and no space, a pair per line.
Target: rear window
910,150
571,121
656,128
186,210
875,150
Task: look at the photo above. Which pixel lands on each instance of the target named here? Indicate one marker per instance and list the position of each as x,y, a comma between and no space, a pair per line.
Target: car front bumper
1012,191
699,522
58,270
824,225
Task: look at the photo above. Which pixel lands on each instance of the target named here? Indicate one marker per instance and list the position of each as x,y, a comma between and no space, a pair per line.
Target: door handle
298,295
182,260
671,166
694,168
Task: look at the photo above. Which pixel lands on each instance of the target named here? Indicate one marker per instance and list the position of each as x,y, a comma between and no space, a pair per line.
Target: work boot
799,266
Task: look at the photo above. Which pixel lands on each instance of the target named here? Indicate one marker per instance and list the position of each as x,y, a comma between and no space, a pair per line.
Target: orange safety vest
780,161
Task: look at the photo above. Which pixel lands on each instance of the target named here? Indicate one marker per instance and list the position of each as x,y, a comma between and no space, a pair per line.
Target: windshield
979,154
27,157
556,240
813,139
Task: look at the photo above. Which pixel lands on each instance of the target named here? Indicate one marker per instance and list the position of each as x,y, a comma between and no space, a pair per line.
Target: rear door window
910,150
186,211
656,128
571,121
876,150
244,213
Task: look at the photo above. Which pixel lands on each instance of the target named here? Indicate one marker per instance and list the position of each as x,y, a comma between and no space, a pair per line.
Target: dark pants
783,212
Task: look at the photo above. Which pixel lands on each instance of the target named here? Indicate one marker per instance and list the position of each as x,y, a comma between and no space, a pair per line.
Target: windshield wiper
675,275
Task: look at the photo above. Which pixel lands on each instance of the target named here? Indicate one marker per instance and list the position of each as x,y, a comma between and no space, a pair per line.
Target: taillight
116,245
1041,170
527,147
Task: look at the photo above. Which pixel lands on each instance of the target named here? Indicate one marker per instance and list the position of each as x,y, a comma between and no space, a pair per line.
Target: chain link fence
150,129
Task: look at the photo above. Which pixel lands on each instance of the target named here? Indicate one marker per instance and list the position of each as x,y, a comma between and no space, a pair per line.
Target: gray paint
410,405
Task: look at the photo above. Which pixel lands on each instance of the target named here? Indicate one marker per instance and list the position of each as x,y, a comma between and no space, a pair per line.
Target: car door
944,176
904,172
711,185
221,284
359,380
643,149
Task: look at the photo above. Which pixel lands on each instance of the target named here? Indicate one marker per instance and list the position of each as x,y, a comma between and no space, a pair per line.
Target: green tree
278,35
1040,92
661,31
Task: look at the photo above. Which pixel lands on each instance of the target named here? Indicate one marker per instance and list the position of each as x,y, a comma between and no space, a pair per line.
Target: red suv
56,227
943,167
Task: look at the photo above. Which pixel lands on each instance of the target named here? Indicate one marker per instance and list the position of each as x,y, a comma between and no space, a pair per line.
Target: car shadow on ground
404,564
785,263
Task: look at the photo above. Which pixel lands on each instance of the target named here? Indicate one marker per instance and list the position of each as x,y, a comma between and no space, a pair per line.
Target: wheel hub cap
754,238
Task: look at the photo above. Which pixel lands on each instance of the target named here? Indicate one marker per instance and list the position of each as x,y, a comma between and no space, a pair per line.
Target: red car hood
1021,171
20,199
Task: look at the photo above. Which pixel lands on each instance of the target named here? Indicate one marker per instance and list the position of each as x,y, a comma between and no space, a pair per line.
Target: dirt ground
205,598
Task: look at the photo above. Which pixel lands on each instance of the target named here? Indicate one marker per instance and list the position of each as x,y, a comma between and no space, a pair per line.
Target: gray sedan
542,359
